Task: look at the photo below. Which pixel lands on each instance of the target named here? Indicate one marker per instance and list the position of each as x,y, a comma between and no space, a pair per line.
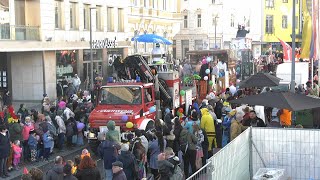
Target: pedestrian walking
28,126
47,143
128,160
117,170
5,150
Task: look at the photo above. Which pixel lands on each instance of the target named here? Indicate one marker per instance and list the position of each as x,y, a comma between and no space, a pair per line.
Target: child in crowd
48,143
17,151
85,152
77,160
33,142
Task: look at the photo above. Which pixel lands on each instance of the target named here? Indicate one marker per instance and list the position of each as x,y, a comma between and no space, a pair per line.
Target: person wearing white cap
128,161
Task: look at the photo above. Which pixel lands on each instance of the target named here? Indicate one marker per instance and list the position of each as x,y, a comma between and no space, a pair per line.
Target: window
120,20
99,25
153,4
213,1
199,20
135,2
269,3
284,22
144,3
164,4
185,21
58,14
269,24
198,44
86,17
73,15
285,1
232,20
110,19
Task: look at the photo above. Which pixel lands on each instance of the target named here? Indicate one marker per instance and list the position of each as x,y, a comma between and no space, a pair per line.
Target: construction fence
296,151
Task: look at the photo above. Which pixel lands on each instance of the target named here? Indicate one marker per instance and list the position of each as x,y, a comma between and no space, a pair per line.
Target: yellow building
277,20
160,17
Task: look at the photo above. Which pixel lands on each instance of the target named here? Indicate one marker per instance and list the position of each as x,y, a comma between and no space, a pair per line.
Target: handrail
198,172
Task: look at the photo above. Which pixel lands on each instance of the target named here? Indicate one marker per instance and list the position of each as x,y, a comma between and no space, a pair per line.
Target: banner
287,51
307,29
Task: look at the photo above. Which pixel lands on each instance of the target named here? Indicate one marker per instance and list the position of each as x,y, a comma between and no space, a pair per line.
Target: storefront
66,65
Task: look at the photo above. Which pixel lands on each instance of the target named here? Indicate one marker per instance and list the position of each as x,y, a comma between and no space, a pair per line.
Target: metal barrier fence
203,173
294,150
230,163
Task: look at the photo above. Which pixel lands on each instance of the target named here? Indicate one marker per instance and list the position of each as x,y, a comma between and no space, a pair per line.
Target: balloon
124,118
182,92
129,125
210,83
80,125
152,109
204,61
206,78
238,80
207,71
209,59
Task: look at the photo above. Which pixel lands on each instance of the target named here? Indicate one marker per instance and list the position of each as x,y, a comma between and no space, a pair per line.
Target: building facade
161,17
277,21
48,41
214,23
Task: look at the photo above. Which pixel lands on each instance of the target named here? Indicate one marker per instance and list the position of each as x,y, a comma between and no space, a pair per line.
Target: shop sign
118,111
64,70
105,43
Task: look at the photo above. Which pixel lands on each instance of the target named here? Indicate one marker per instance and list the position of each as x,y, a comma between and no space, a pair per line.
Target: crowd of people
31,136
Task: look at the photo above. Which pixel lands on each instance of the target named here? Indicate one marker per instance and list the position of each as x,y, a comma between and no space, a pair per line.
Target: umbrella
280,100
151,38
260,80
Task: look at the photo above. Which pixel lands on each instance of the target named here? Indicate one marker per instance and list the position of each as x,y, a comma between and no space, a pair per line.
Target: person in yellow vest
207,123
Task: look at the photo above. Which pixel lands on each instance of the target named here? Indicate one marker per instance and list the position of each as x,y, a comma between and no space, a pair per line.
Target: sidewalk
45,166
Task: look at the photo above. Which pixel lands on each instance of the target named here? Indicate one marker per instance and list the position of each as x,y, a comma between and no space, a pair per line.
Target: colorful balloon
129,125
80,126
210,83
124,118
152,109
206,78
207,71
182,92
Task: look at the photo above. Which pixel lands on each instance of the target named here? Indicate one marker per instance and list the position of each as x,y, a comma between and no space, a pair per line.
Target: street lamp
91,53
293,73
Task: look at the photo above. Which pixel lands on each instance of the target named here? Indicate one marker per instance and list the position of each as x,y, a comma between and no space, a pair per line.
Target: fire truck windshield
124,95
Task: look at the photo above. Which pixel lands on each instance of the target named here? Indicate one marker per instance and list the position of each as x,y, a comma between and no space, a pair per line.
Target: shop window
86,17
110,23
66,65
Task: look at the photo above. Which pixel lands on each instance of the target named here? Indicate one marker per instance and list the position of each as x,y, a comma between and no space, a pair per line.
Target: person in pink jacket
17,151
28,126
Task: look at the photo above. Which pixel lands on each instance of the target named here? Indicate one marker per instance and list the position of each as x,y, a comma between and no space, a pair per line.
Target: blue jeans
109,174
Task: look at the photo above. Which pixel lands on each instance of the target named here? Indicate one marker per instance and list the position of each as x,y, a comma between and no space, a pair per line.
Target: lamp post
293,73
91,53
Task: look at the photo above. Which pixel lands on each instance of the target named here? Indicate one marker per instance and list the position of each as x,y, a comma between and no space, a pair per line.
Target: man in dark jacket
67,171
56,173
117,170
254,121
129,162
4,149
108,151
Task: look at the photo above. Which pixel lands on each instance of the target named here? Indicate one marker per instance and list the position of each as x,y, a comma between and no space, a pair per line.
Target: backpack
184,144
177,173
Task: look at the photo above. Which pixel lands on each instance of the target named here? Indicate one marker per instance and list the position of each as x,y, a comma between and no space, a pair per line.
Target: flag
287,51
307,29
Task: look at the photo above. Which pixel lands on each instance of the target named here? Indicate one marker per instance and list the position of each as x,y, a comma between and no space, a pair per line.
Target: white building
47,41
213,23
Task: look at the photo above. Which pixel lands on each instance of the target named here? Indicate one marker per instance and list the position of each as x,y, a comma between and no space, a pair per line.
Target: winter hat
124,147
117,163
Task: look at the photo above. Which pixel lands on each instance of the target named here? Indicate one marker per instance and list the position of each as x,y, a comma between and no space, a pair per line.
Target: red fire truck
132,98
